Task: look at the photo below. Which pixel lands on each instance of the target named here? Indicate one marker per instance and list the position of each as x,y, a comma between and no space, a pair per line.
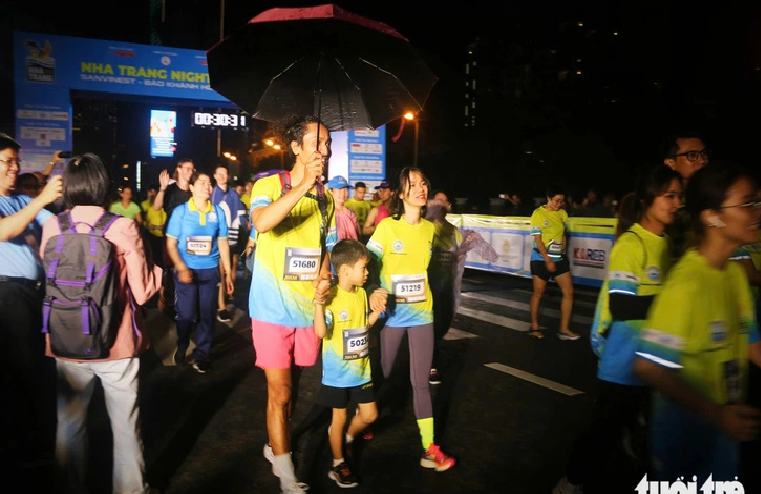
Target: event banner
111,66
590,241
48,67
367,157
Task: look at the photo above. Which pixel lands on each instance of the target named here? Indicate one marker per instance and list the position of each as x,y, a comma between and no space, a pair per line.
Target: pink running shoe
436,459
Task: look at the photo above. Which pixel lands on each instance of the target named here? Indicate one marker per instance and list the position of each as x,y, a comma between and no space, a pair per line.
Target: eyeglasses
13,161
752,205
694,155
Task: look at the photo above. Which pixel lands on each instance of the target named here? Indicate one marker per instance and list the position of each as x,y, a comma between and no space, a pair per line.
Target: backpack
81,312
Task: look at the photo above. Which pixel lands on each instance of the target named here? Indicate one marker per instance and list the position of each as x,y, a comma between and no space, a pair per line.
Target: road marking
576,300
495,319
527,376
523,306
456,334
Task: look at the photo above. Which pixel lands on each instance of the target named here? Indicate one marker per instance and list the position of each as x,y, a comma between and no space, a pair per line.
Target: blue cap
383,185
338,182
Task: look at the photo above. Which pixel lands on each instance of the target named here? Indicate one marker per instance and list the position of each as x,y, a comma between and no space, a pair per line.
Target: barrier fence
590,241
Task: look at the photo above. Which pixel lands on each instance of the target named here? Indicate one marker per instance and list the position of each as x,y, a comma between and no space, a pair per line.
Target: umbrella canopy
351,71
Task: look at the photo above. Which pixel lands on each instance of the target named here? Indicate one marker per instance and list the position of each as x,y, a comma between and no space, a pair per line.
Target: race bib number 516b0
408,288
301,264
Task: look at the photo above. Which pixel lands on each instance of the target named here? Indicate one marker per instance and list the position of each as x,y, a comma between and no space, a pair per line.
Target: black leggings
421,353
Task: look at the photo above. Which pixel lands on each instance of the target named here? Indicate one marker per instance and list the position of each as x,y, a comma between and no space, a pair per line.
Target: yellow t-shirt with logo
404,252
549,227
699,326
638,263
702,319
155,218
345,348
360,208
288,257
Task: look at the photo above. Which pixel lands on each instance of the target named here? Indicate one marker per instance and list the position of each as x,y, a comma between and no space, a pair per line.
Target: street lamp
412,116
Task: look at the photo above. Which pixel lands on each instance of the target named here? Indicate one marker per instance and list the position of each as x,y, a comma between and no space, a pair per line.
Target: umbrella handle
319,96
319,102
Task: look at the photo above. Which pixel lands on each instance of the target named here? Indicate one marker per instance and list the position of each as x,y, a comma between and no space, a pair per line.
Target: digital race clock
219,119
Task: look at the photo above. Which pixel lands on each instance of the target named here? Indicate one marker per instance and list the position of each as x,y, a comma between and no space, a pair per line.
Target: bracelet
52,163
162,190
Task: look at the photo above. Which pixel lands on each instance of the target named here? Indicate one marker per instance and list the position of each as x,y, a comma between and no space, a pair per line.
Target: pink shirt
143,280
383,213
347,224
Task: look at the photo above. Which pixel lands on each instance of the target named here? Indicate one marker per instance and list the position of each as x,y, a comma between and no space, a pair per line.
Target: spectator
236,217
126,207
169,196
86,185
381,211
358,204
26,376
346,221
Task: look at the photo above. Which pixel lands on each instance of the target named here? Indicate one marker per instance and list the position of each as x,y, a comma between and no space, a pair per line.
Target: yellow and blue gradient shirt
404,252
638,263
699,326
549,228
277,296
345,356
197,232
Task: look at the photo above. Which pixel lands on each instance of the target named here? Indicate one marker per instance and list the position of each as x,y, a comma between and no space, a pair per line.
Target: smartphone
64,154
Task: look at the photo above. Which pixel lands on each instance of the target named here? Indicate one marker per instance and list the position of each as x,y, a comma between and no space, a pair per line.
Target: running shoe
343,476
433,377
565,487
436,459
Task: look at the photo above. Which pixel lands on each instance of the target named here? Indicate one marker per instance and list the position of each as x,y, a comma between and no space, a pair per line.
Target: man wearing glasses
686,153
26,374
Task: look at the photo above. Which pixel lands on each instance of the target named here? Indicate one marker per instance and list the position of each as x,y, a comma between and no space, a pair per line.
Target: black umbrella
352,72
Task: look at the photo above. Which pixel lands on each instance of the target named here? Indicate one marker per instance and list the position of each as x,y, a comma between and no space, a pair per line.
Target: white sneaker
269,455
565,487
294,488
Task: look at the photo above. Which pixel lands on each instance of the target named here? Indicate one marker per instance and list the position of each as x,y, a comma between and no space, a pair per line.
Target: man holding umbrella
296,226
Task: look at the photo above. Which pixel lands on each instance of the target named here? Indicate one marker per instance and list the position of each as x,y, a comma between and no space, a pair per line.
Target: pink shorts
279,347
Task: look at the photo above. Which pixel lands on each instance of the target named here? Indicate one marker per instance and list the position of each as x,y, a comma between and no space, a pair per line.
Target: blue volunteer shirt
197,232
235,210
19,260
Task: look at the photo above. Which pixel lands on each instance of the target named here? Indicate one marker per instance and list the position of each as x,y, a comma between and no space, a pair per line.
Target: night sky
704,63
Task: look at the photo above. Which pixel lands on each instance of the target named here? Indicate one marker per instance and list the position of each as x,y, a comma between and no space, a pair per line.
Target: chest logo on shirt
653,273
212,217
718,333
546,222
343,315
398,246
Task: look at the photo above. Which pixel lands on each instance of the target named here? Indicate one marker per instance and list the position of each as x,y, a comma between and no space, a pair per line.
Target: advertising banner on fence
590,241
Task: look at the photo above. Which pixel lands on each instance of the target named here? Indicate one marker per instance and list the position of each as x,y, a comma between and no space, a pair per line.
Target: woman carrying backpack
135,280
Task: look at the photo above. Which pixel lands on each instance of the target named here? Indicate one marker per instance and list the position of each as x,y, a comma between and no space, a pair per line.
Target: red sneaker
437,459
